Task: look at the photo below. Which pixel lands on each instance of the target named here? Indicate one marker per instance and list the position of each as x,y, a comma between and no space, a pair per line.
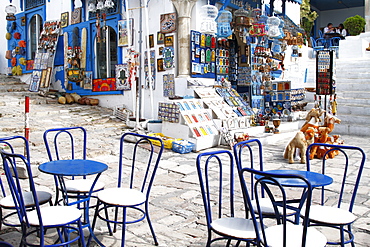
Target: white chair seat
82,185
267,207
235,227
274,236
7,202
331,215
122,196
52,216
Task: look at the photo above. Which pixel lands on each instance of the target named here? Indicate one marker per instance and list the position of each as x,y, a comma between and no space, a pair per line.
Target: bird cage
209,14
242,18
223,23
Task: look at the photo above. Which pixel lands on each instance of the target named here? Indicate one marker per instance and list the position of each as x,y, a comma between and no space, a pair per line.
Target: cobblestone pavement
176,206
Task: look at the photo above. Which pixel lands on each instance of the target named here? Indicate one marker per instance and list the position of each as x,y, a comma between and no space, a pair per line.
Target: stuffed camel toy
300,141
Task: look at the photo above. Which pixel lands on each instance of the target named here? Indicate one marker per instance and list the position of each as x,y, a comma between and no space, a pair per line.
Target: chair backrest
278,195
144,156
17,187
14,144
216,179
65,143
246,157
345,172
334,41
321,33
320,42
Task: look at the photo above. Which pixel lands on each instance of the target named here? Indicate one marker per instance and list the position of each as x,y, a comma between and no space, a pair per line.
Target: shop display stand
194,124
43,67
325,79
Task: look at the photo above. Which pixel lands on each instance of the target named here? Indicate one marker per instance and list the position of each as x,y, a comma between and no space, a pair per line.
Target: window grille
30,4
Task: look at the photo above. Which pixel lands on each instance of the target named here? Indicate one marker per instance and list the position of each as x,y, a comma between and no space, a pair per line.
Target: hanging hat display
22,61
17,70
223,23
17,35
13,61
8,36
22,43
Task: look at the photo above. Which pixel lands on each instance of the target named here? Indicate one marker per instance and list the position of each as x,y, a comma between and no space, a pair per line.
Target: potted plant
354,24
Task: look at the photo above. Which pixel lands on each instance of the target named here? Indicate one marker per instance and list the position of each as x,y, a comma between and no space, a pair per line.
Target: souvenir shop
114,52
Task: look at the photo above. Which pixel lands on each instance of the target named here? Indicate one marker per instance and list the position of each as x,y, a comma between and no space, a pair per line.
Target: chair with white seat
279,231
337,214
249,154
70,143
134,184
36,223
216,179
17,144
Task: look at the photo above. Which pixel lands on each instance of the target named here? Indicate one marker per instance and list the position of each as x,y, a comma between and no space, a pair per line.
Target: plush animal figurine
323,135
300,141
312,119
330,120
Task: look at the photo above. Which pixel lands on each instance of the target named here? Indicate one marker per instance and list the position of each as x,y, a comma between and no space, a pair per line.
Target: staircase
353,96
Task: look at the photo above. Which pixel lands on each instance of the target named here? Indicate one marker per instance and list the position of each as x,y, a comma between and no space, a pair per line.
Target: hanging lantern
10,10
91,7
273,23
108,4
100,5
223,23
209,14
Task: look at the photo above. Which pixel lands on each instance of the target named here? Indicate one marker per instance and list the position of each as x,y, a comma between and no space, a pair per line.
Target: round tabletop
75,167
316,179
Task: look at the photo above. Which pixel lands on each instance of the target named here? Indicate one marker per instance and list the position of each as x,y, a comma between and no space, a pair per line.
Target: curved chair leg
150,224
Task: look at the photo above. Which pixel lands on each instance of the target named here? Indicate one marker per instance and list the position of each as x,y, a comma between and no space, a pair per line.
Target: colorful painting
169,85
160,38
64,19
104,85
168,23
152,69
122,73
87,82
35,81
125,32
168,57
76,16
168,40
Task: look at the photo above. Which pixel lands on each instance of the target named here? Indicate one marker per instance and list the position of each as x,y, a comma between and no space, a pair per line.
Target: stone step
353,75
353,118
354,110
352,129
352,85
353,102
355,94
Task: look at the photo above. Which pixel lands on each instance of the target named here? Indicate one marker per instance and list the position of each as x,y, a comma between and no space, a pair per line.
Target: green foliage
355,24
308,17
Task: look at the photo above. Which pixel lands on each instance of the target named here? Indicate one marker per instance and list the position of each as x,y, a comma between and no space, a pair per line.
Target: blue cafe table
76,167
316,180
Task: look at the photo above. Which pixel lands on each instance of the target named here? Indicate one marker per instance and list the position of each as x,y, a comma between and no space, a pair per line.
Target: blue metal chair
317,45
35,223
18,144
334,45
250,154
338,214
133,189
5,244
216,179
69,143
282,233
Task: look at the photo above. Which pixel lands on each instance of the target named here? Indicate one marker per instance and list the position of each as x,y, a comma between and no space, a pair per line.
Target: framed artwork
125,32
76,16
168,23
64,19
87,82
103,85
160,51
160,38
151,40
35,81
169,85
168,57
150,82
122,74
160,65
168,40
29,65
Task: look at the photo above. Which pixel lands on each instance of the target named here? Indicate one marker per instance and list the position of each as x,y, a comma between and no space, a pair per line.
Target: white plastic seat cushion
56,215
235,227
43,196
274,236
122,196
267,207
331,215
82,185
